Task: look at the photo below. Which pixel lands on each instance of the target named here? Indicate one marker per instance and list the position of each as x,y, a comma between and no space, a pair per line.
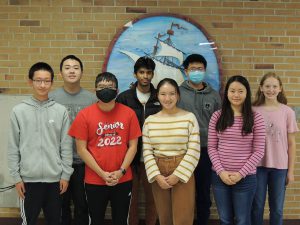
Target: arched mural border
179,16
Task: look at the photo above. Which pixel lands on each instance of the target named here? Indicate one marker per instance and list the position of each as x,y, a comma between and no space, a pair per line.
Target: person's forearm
291,156
89,160
129,156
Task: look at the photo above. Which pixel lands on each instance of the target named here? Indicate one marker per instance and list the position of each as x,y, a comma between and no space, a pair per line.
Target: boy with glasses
74,98
106,138
199,98
40,150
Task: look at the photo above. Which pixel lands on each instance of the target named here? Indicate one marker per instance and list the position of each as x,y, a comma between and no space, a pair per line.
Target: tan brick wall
253,37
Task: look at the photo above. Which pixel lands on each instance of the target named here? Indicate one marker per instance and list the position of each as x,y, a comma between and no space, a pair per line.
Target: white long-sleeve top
171,136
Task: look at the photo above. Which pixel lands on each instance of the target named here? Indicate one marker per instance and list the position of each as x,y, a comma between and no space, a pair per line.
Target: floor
17,221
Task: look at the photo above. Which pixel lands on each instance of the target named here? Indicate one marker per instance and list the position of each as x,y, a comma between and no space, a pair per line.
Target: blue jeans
234,201
274,180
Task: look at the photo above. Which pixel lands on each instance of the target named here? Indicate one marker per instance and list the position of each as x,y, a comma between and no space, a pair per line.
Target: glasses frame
40,82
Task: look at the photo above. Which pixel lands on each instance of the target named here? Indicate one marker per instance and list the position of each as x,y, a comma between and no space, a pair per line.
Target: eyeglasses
103,87
196,69
39,82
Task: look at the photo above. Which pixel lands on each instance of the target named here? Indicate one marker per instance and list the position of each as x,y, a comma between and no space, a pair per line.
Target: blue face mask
196,76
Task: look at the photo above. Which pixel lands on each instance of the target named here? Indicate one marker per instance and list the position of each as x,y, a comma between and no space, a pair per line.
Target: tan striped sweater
171,136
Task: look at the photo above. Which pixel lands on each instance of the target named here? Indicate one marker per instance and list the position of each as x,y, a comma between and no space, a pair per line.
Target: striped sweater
230,151
171,136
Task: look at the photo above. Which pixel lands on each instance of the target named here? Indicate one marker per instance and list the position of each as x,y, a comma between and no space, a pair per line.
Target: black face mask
106,94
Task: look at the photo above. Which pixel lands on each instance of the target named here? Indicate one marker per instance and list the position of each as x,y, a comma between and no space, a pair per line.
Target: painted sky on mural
140,39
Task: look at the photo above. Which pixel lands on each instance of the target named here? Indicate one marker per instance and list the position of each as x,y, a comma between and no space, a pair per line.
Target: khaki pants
174,206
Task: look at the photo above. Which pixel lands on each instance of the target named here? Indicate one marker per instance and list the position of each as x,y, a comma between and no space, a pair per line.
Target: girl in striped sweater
171,150
236,140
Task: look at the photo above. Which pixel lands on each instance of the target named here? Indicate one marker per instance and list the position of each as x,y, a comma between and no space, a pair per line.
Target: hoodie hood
206,90
36,103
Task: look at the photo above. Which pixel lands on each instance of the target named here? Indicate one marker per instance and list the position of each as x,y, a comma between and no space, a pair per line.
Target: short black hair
40,66
194,58
106,76
144,62
73,57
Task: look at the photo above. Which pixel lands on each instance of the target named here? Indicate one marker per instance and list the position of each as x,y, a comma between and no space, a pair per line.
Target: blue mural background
140,37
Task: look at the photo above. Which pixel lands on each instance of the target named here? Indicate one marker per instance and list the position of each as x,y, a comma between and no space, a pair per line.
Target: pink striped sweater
230,151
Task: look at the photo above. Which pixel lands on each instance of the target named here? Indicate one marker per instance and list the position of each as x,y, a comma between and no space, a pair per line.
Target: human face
271,88
105,84
41,84
71,71
196,73
168,96
195,66
236,94
106,92
144,77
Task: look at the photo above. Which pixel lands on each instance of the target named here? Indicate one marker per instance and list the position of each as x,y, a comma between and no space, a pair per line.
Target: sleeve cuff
17,179
152,178
242,173
182,178
219,171
65,176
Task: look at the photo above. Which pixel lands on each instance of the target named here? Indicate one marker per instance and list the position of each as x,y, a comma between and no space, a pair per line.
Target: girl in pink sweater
236,140
276,170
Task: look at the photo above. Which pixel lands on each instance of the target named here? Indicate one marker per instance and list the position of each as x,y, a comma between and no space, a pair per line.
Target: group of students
175,141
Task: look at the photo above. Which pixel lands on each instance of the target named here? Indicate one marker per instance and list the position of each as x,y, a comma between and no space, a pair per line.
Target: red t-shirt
107,135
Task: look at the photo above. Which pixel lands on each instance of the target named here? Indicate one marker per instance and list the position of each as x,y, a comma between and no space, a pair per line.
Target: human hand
235,177
172,180
116,175
20,187
108,178
290,178
225,177
63,186
161,180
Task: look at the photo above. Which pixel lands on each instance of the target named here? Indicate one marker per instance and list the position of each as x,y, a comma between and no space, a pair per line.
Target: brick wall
253,37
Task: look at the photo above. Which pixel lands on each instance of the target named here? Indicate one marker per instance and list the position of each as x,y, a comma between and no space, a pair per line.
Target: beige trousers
174,206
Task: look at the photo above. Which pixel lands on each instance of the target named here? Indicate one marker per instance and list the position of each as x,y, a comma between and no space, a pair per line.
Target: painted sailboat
167,57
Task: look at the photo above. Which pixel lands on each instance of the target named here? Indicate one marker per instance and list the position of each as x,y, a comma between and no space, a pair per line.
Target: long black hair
227,116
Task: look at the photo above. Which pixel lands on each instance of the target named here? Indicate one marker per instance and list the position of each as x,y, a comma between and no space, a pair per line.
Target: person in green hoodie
40,150
201,99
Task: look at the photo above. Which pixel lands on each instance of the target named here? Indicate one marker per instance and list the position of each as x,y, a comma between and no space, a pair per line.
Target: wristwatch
123,171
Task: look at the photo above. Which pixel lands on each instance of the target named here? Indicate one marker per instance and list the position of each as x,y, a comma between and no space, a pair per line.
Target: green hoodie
39,148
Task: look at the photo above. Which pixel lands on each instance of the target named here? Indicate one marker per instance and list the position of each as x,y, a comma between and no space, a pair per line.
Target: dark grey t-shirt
203,103
74,103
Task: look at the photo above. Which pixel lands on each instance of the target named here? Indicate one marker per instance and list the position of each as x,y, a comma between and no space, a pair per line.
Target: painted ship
167,57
